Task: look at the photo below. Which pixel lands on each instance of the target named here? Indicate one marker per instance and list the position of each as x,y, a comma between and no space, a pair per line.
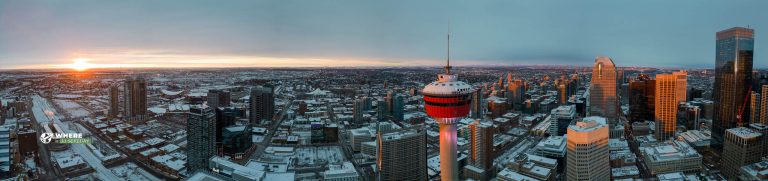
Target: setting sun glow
80,64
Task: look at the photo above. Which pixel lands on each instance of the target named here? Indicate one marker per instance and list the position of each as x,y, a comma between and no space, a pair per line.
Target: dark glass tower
733,77
641,105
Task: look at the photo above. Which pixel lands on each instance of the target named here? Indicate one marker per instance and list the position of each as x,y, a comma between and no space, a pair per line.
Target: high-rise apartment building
358,108
262,104
603,98
402,155
478,104
135,95
587,157
481,153
670,90
743,146
733,75
641,98
114,101
764,105
201,137
218,98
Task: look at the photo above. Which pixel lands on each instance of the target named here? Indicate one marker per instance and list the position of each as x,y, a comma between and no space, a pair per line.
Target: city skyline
86,34
363,91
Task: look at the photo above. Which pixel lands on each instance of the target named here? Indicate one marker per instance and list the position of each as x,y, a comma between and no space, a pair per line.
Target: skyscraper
754,106
764,105
670,90
262,104
562,93
201,135
398,108
225,117
135,95
114,101
603,98
478,104
381,110
733,75
236,140
481,145
641,102
587,156
402,155
358,107
218,98
447,100
743,146
517,89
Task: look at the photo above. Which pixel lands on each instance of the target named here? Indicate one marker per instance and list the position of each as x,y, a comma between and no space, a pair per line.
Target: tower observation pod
447,100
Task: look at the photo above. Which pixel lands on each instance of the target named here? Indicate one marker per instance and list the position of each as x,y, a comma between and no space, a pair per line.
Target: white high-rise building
588,157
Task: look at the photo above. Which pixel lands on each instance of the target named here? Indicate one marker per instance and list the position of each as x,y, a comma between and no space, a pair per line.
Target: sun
80,64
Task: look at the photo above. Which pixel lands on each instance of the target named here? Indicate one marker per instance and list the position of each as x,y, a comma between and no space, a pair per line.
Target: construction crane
739,116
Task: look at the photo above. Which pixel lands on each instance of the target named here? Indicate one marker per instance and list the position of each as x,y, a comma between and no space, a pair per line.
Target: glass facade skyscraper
733,77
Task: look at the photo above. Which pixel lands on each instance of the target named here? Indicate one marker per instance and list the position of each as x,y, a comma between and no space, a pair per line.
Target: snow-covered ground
74,109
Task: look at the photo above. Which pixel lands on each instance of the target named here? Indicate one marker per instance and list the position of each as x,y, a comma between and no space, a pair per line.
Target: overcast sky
681,33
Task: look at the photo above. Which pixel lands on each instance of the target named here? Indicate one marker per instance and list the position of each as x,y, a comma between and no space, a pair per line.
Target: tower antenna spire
448,53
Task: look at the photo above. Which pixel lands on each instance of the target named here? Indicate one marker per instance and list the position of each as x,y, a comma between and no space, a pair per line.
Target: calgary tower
447,100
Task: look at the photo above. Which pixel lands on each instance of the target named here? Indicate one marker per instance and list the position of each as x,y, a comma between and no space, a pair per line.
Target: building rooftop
667,151
675,176
758,171
509,174
744,132
589,124
631,170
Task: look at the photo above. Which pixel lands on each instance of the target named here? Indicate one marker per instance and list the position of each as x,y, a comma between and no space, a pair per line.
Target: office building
670,90
262,104
641,98
754,171
517,91
588,157
218,98
537,167
603,98
754,107
135,95
670,157
743,146
225,117
733,75
236,140
381,110
561,117
402,155
201,137
398,108
114,101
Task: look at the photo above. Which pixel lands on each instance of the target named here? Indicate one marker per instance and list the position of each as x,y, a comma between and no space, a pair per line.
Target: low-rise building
671,156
